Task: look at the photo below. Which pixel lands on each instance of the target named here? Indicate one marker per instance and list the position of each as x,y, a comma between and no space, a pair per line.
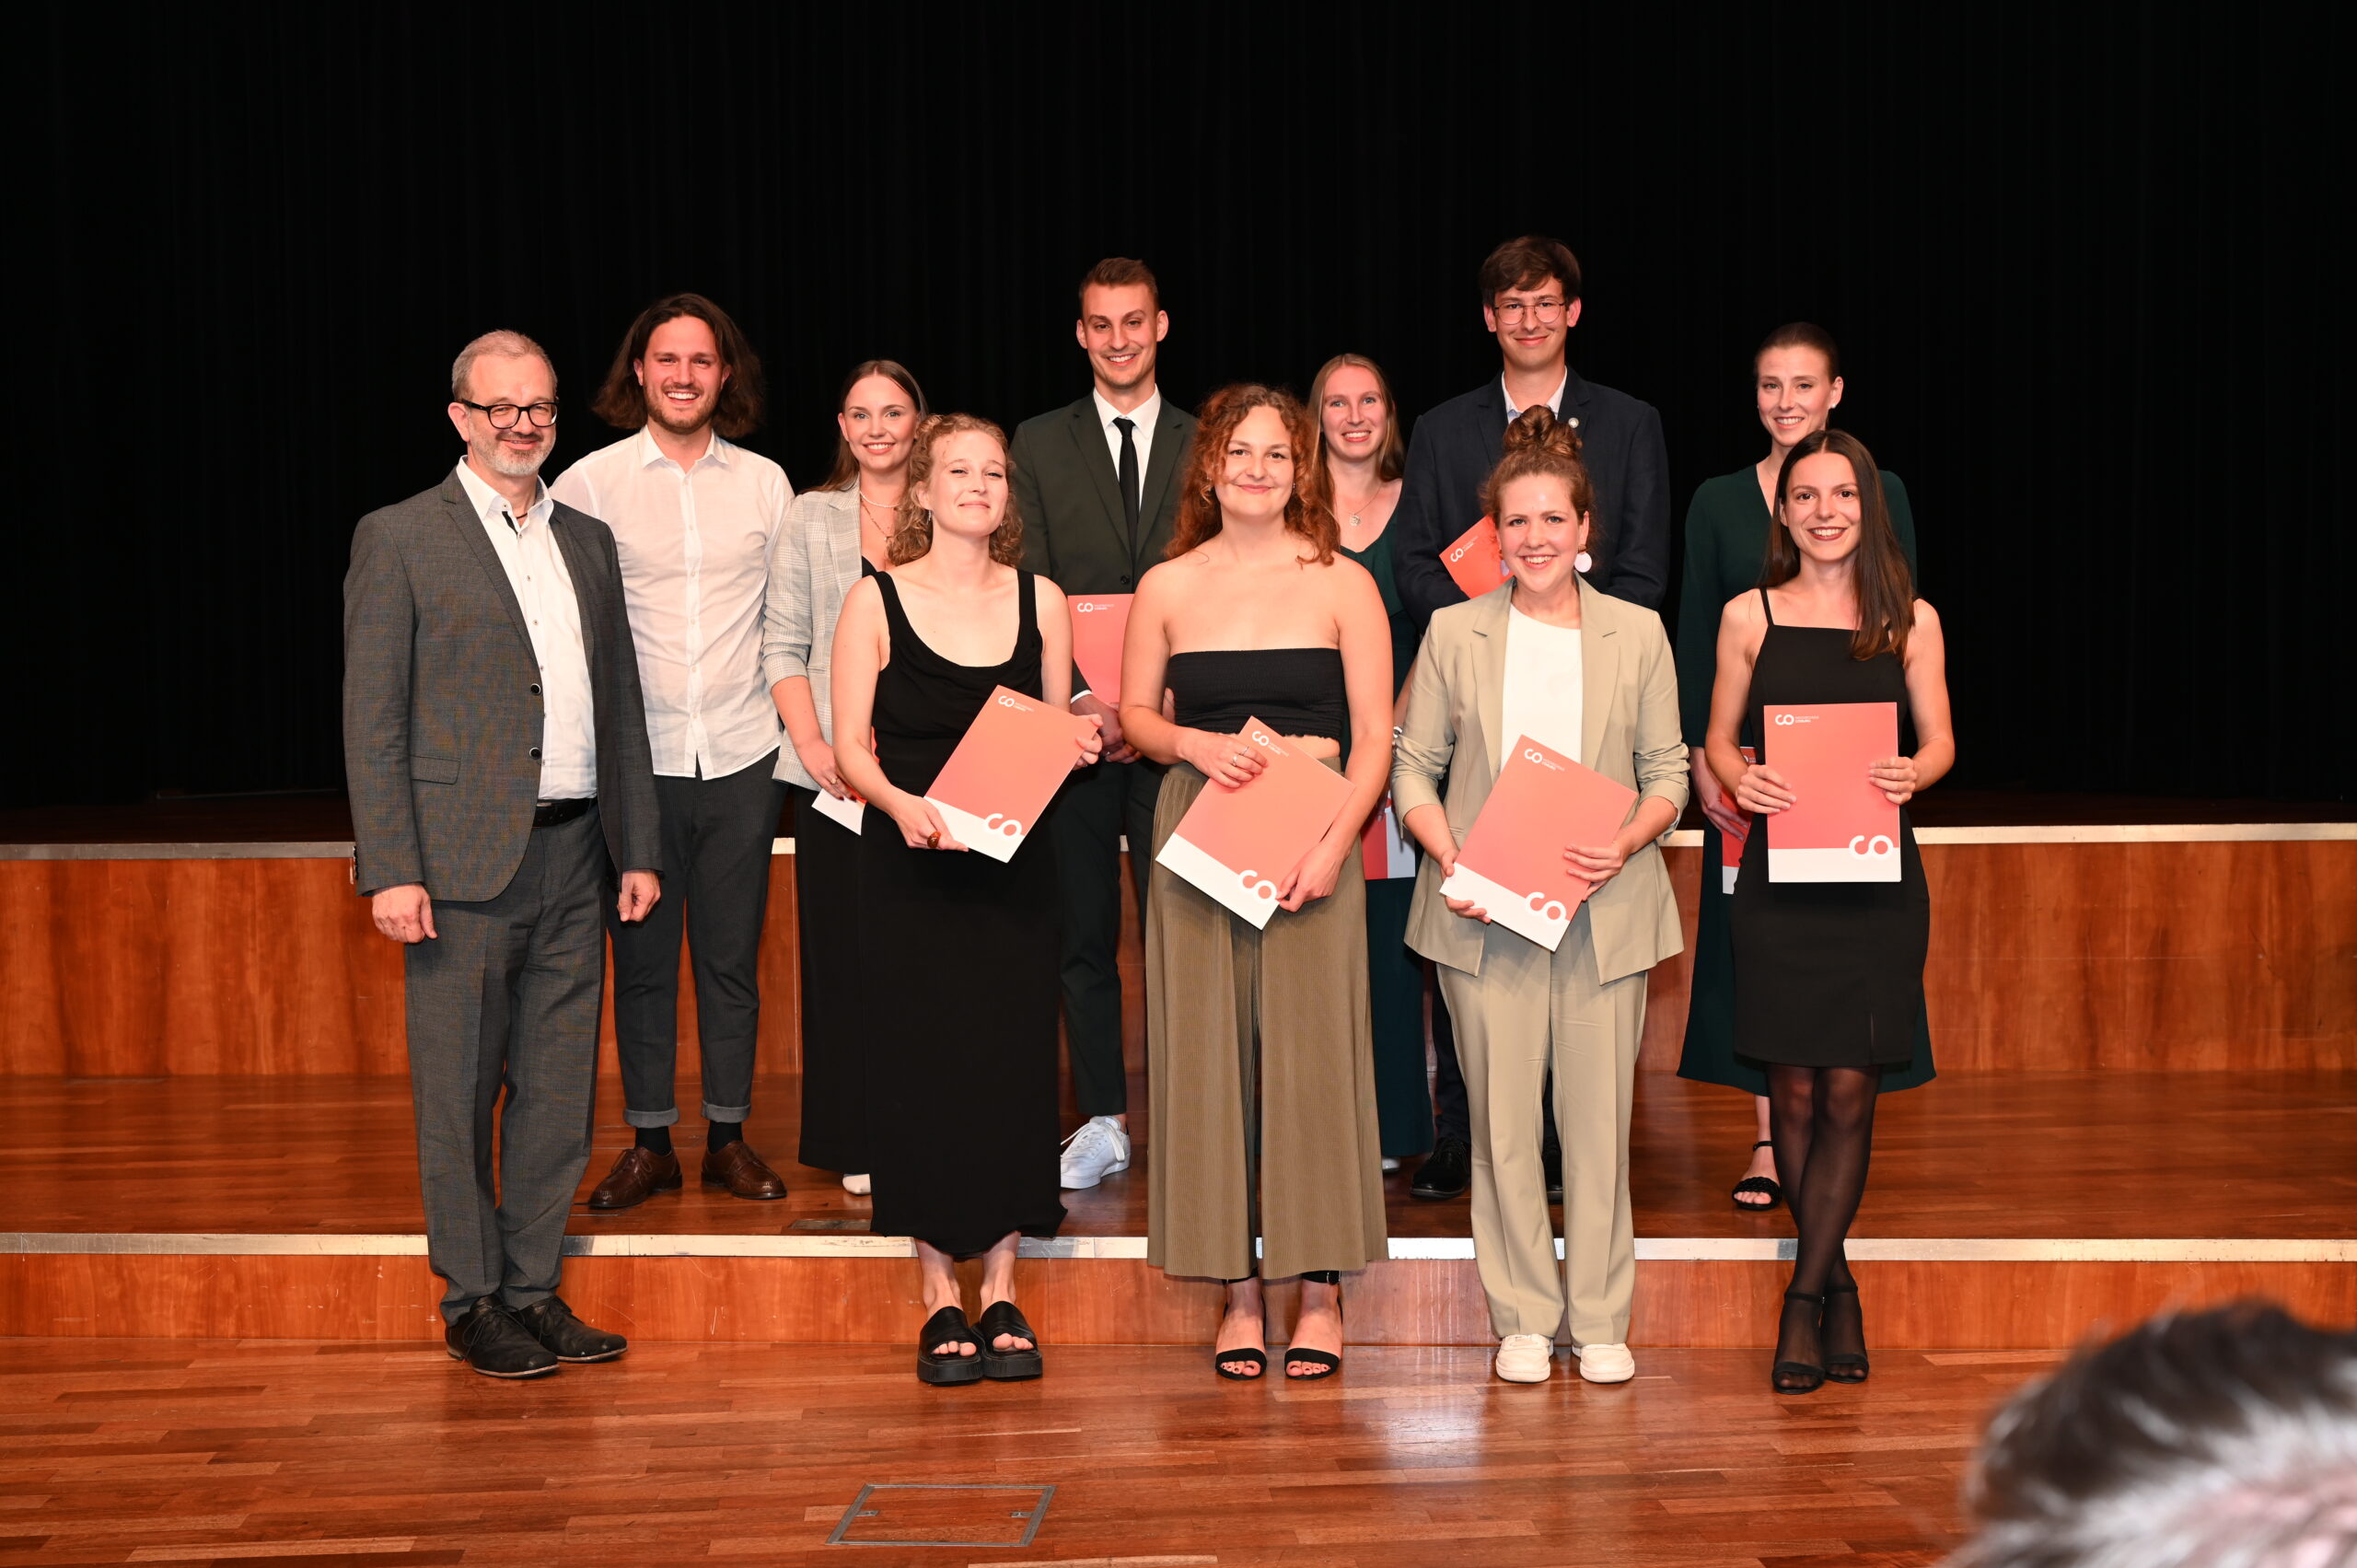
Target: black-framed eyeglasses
502,415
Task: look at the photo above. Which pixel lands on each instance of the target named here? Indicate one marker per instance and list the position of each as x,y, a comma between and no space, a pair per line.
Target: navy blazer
1454,446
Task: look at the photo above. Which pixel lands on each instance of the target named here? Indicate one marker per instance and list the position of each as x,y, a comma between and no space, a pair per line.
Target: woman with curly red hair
1259,1045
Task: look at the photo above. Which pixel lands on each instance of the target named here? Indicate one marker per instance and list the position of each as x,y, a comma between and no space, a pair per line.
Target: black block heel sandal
1326,1362
1758,1184
948,1327
1846,1367
1257,1360
1007,1365
1811,1374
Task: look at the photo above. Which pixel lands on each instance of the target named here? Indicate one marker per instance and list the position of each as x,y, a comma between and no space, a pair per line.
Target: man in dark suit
1531,301
1097,486
496,749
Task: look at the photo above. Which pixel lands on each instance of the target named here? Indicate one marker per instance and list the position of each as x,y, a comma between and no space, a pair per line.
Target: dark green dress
1727,543
1403,1104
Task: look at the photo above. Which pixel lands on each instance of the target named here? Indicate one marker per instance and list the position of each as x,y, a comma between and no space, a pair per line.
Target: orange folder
1097,622
1512,866
1839,828
1005,769
1384,849
1237,844
1474,559
1731,844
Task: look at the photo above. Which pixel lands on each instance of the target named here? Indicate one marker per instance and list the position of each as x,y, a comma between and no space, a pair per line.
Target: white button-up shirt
1144,416
1554,403
536,570
694,544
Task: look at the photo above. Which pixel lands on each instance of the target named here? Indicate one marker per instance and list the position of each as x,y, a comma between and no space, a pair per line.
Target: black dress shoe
488,1338
1446,1172
567,1338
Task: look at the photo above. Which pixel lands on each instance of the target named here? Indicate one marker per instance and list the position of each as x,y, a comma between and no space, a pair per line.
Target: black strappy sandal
1007,1365
1846,1367
1814,1374
948,1327
1758,1184
1327,1363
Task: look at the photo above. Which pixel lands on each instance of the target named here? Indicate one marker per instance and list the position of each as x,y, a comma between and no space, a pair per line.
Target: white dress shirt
1554,401
1144,416
536,570
694,544
1544,693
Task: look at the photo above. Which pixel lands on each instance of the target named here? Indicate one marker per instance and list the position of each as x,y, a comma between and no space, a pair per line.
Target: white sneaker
1389,1165
858,1186
1606,1364
1099,1150
1525,1358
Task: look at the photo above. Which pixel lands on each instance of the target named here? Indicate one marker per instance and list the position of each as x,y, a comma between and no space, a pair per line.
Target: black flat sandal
1811,1376
948,1327
1758,1184
1846,1367
1007,1365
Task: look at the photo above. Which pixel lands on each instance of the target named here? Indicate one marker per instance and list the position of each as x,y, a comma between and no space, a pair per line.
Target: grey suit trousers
506,997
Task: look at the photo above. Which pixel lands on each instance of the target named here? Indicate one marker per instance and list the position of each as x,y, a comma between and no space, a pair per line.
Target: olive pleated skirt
1260,1064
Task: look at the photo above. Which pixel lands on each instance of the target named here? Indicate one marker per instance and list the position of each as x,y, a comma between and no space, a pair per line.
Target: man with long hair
692,514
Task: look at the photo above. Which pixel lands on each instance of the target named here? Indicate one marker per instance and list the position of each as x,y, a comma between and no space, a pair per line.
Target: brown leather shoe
735,1167
637,1176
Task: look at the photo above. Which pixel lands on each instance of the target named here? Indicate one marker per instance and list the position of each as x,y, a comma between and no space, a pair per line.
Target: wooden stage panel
2184,956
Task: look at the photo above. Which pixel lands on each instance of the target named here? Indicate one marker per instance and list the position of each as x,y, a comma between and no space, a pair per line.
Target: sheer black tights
1822,1121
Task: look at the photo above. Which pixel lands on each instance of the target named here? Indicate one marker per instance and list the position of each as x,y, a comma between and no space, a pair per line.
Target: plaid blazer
442,709
814,565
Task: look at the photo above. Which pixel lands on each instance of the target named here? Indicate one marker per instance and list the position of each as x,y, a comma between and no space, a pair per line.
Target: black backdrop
2078,264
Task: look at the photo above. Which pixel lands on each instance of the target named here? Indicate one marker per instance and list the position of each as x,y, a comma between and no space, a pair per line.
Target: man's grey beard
510,467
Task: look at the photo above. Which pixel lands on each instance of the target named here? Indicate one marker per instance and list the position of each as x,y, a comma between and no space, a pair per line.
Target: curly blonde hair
912,525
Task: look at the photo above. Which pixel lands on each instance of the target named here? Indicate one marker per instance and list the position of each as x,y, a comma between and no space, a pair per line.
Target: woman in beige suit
1549,658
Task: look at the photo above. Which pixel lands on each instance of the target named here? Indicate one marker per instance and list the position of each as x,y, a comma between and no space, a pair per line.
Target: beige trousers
1261,1061
1528,1009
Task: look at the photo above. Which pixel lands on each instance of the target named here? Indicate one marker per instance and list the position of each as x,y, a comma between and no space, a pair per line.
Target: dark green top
1377,559
1726,544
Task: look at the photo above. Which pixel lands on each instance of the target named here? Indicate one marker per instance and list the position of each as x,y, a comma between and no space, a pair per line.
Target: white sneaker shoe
1525,1358
1100,1149
858,1186
1606,1364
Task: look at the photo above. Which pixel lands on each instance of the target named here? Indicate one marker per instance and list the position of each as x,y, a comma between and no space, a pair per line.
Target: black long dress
959,968
1827,974
835,1098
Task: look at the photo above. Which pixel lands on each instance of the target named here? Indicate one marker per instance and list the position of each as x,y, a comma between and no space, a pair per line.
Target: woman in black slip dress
1829,976
962,999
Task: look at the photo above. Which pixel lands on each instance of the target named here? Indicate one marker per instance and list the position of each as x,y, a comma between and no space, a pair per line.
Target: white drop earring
1583,562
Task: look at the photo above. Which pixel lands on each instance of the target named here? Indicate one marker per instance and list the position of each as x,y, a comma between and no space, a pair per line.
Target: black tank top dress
1827,974
960,974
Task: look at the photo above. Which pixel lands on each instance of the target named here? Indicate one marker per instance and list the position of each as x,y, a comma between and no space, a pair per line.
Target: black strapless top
1299,691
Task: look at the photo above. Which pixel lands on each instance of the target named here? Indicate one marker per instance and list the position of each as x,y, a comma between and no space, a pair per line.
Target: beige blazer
814,565
1628,731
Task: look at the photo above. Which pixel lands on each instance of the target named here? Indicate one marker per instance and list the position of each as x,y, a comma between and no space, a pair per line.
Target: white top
536,570
1542,698
1555,399
694,544
1144,416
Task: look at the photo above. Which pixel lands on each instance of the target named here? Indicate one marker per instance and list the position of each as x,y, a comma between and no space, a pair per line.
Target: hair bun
1538,429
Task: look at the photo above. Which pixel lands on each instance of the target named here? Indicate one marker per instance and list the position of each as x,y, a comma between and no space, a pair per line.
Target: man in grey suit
497,750
1096,483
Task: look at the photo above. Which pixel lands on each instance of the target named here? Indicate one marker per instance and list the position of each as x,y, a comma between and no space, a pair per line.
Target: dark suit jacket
442,708
1454,446
1073,532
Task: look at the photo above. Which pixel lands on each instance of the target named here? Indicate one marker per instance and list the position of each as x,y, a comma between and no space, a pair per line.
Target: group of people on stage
578,709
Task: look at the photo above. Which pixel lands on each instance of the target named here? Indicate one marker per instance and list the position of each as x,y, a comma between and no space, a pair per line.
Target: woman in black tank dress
1829,976
1259,1052
961,995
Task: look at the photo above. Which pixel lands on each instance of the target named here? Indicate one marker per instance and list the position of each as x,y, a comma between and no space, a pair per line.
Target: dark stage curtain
2076,258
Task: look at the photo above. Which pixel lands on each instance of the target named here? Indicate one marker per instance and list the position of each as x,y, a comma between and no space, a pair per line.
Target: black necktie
1128,477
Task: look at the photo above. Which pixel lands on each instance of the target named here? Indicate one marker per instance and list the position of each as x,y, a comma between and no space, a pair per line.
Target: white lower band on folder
1832,865
1255,901
1544,926
995,836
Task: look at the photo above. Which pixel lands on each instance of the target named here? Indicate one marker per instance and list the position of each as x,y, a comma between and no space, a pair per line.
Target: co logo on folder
1011,702
1787,719
1259,740
1259,887
1530,754
1879,845
999,823
1084,608
1546,908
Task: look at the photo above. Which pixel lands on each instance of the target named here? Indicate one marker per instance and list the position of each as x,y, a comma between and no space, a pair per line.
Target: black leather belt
555,813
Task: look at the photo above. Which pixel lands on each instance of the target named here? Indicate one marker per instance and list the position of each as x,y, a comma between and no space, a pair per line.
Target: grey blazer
814,565
1628,731
442,709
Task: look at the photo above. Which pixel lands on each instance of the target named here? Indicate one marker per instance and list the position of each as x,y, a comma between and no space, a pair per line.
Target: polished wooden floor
2077,1154
266,1453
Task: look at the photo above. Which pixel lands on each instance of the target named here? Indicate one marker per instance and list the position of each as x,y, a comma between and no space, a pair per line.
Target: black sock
658,1139
720,1134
